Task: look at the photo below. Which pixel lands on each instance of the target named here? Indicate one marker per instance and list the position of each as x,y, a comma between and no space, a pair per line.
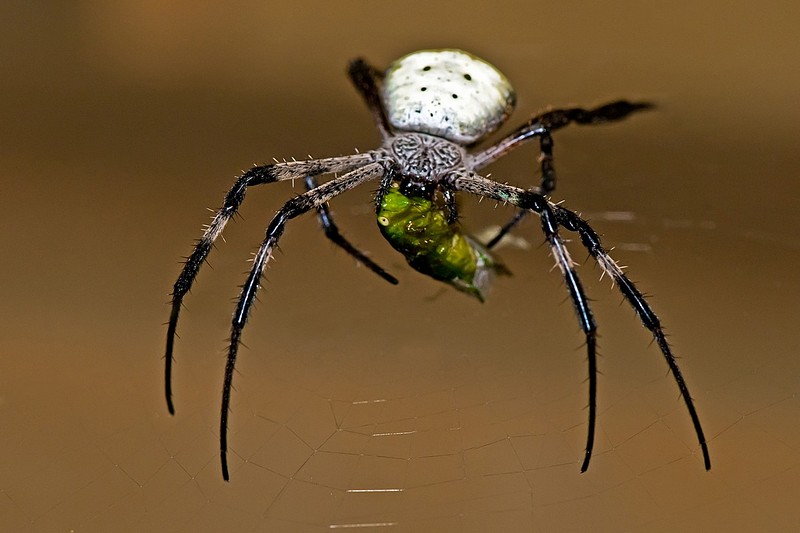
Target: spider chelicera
430,108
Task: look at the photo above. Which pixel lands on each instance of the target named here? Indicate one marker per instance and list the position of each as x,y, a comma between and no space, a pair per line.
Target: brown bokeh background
360,404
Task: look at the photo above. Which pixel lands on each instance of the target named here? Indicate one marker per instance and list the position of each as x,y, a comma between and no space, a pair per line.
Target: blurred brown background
360,404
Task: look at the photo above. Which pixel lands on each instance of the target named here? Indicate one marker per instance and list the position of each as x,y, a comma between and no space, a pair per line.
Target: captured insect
430,108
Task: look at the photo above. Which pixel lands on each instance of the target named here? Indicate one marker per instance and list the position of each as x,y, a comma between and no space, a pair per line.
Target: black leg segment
533,201
475,184
191,266
294,207
542,126
591,241
585,318
332,232
233,199
365,79
555,119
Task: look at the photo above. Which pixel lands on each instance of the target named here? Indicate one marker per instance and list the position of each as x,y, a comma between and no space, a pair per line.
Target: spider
431,107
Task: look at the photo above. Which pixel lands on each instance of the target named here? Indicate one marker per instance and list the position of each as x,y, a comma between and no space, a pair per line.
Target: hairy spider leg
293,208
536,202
542,126
591,241
233,199
450,205
533,201
332,232
365,79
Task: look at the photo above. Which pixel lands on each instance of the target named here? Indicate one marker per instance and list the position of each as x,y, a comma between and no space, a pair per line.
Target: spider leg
473,183
555,119
233,199
542,126
450,206
591,241
293,208
332,232
508,226
588,325
365,78
546,186
538,203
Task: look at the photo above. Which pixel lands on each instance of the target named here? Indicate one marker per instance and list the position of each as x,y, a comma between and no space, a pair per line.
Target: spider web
360,406
380,417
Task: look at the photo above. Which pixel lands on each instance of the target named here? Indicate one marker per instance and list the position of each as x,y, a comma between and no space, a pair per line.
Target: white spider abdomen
448,93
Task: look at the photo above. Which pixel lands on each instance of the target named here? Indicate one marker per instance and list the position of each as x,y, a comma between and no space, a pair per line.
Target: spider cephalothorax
430,107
